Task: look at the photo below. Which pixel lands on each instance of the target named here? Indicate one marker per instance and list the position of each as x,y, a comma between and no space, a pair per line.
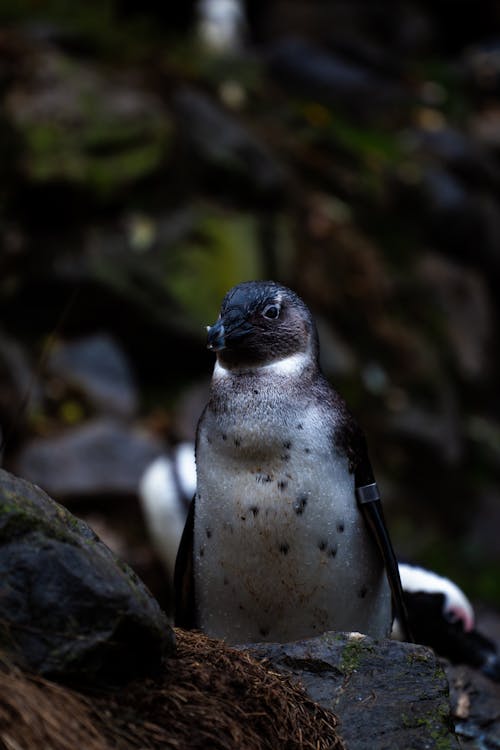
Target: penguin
285,537
439,613
165,491
441,616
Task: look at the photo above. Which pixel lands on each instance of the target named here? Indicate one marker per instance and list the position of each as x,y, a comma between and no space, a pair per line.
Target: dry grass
209,696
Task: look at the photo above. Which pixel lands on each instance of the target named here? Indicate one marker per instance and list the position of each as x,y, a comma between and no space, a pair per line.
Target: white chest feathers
280,549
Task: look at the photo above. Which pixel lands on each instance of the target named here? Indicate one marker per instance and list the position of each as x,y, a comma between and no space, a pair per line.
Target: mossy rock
386,694
69,607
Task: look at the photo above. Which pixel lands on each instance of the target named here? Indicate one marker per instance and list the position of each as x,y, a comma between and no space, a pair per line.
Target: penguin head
262,322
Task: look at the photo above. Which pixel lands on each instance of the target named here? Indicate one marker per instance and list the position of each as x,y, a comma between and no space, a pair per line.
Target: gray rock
329,78
20,393
460,298
386,694
475,701
97,368
460,152
460,219
220,142
69,608
97,458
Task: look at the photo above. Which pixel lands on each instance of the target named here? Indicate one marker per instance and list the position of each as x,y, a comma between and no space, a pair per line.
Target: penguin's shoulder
347,436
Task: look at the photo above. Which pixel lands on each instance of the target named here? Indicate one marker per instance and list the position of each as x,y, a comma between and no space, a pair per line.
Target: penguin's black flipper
368,497
185,612
374,517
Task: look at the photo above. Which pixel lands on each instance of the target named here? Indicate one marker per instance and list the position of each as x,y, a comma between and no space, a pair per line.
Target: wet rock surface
386,694
70,608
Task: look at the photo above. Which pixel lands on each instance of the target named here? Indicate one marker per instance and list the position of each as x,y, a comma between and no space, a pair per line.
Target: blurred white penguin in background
221,24
453,603
165,491
440,614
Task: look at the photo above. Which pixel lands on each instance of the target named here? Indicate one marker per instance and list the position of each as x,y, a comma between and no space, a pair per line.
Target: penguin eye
271,311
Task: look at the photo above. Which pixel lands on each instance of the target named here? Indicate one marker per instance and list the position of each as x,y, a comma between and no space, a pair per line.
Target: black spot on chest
328,549
300,504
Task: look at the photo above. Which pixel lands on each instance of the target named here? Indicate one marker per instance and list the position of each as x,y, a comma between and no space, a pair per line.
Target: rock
97,368
225,146
437,430
485,126
328,78
459,218
20,392
386,694
461,152
483,524
482,68
84,126
444,192
70,609
462,303
99,457
207,696
475,701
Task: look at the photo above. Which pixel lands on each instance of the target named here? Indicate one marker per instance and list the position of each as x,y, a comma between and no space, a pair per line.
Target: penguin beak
215,337
228,331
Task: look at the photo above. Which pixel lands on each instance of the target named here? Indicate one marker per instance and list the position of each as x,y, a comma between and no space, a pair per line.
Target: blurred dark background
154,154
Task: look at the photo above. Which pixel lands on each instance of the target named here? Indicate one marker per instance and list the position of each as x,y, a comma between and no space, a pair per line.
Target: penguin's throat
293,365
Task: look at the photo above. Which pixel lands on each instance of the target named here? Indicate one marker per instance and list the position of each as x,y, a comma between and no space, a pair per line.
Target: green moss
417,656
19,515
99,22
223,252
435,725
353,653
82,133
100,156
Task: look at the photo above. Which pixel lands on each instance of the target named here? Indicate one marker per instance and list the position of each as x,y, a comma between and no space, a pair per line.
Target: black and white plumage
441,616
285,538
165,492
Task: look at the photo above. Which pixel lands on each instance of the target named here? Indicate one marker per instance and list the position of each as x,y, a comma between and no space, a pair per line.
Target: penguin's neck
289,367
260,399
